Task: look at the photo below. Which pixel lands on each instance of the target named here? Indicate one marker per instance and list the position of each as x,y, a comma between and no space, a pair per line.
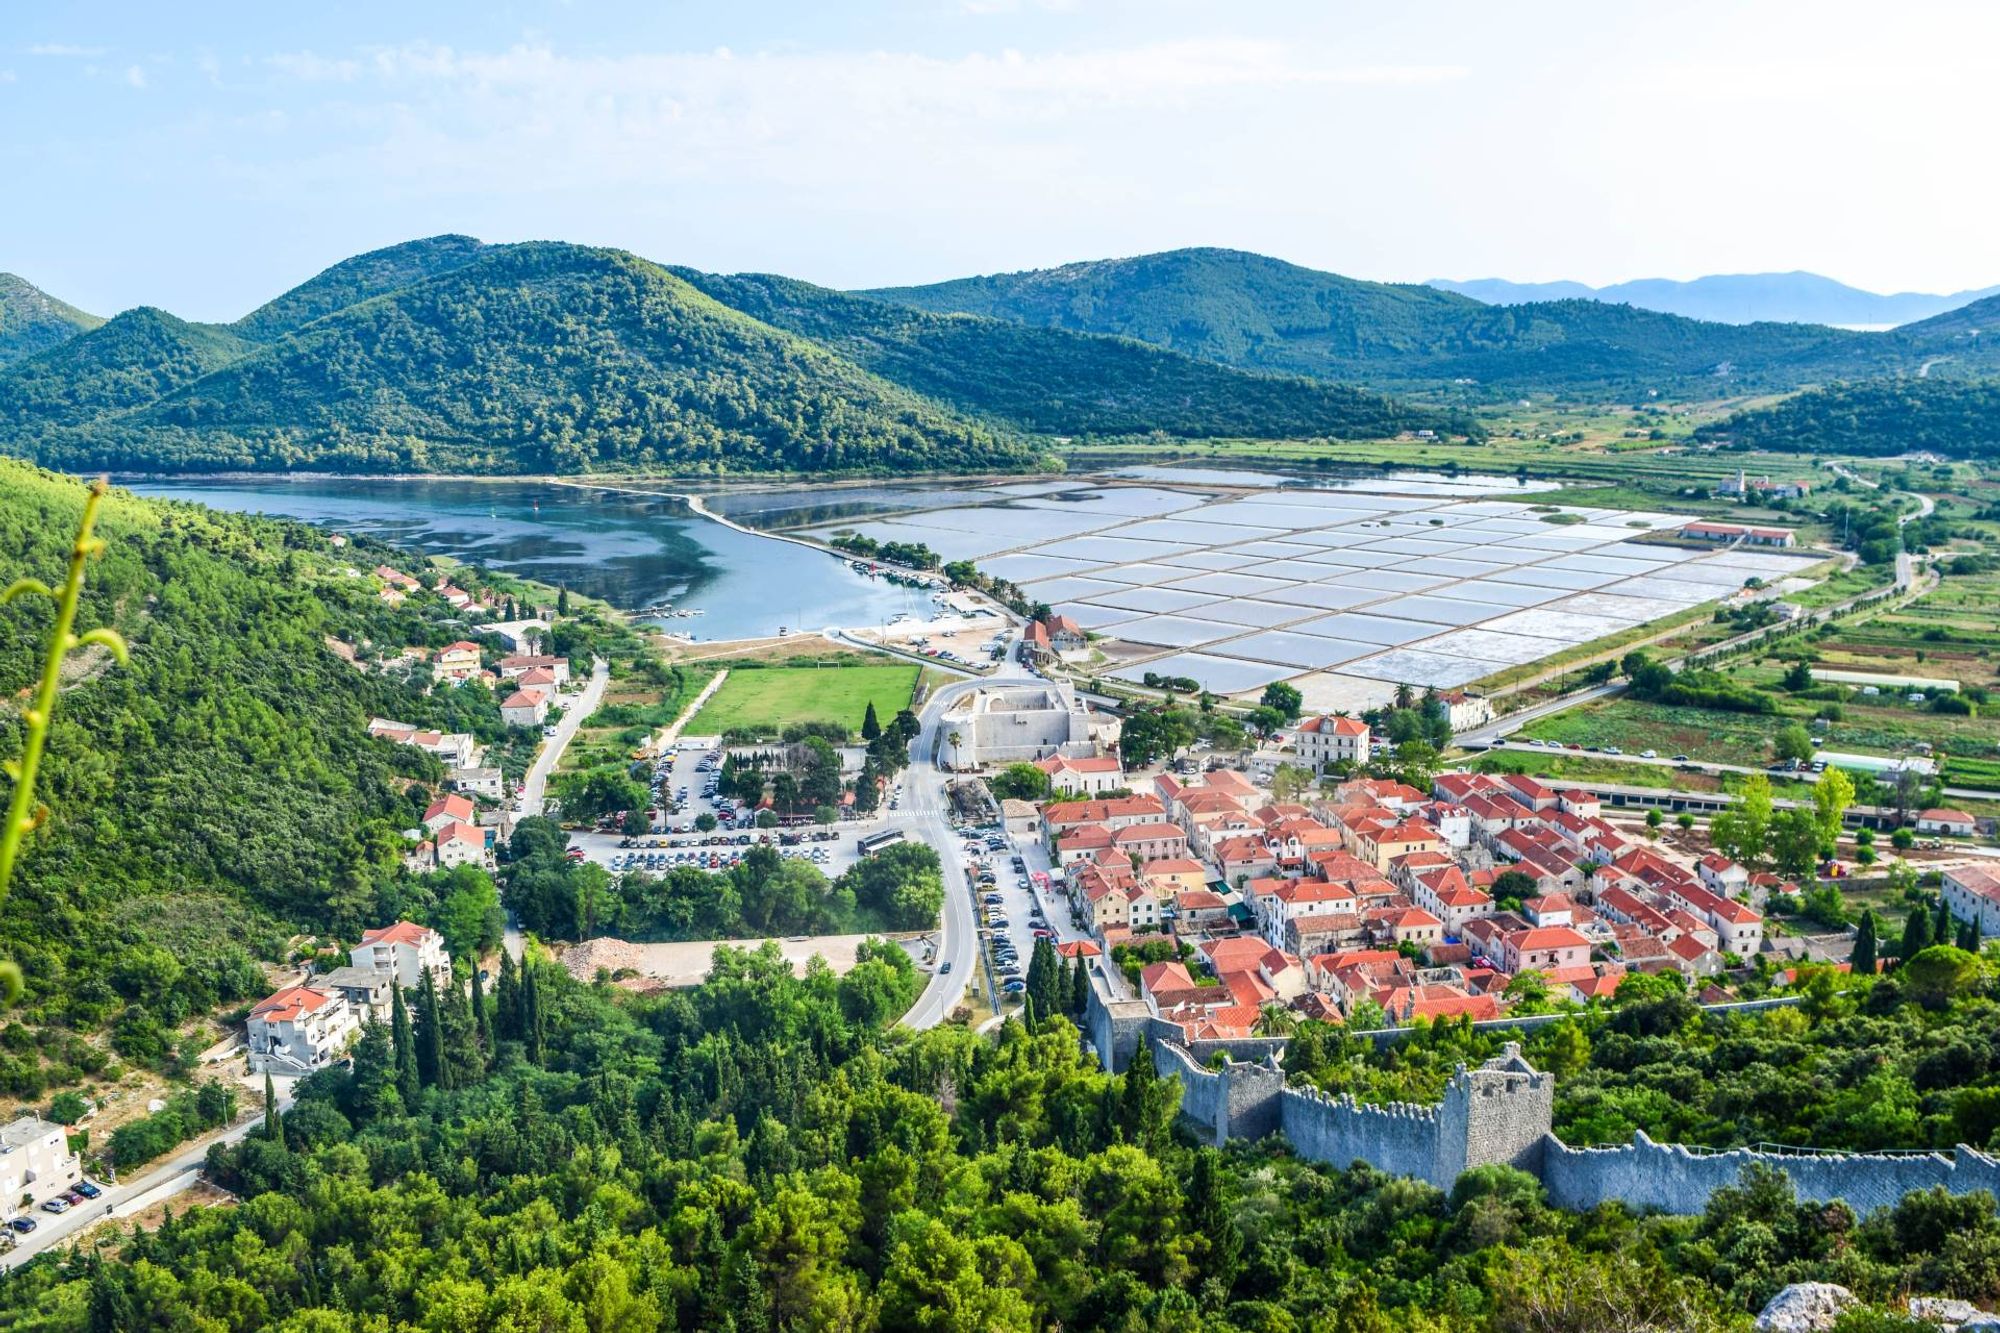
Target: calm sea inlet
630,550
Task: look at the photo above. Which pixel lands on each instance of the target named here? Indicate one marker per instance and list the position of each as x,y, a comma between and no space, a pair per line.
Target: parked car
87,1190
57,1205
22,1224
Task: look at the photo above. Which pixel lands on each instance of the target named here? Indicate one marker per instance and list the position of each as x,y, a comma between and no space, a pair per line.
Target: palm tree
1277,1021
953,741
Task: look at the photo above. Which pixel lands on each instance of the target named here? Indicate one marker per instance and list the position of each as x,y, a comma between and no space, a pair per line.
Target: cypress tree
405,1043
274,1126
1968,936
1862,961
1941,925
1079,999
1916,933
531,1013
507,1019
430,1036
482,1026
871,726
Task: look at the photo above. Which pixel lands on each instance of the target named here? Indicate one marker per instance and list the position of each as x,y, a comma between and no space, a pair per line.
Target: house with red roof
1325,740
1950,823
525,708
1085,777
300,1029
456,663
1973,894
460,844
450,809
404,952
1542,948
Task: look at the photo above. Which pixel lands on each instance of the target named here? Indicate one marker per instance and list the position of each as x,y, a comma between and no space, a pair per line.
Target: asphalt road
161,1180
534,787
926,810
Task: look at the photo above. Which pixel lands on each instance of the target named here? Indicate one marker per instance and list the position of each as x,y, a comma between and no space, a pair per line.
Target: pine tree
405,1043
1916,933
274,1125
507,1018
430,1036
871,726
1862,961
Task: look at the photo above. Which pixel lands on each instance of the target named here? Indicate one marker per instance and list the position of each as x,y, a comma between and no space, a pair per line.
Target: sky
205,157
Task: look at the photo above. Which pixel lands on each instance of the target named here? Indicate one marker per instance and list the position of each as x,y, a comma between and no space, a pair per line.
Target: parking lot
1012,912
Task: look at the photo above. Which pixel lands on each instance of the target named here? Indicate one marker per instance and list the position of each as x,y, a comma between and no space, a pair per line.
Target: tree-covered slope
355,280
1053,381
217,792
31,320
126,363
534,358
1262,314
1953,418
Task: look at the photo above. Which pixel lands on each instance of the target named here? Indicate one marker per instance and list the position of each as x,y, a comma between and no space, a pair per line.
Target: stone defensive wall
1500,1113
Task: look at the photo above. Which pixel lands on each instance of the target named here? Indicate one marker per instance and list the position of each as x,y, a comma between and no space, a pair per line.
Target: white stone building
404,951
35,1162
300,1029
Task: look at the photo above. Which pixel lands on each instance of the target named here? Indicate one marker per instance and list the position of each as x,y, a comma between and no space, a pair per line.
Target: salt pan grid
1424,589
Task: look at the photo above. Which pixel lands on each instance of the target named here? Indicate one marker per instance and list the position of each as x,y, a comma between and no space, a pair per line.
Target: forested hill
375,273
529,358
31,320
217,793
1956,419
1056,382
127,363
1263,314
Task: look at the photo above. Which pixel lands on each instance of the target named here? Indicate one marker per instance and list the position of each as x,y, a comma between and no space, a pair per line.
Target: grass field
764,700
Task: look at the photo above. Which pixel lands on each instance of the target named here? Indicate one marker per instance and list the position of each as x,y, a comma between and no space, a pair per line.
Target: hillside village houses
1376,896
456,663
306,1027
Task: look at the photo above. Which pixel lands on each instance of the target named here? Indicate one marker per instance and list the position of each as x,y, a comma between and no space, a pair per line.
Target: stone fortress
1501,1113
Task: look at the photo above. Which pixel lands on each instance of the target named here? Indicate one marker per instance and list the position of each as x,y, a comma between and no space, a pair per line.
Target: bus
875,842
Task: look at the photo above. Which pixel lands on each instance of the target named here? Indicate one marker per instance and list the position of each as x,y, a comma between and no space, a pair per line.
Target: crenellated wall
1499,1113
1671,1178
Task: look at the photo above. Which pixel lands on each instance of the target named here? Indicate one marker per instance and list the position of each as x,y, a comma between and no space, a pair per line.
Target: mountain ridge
1797,297
1263,314
32,321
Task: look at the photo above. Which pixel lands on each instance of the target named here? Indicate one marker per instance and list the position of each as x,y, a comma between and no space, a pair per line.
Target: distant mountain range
450,355
1263,314
1735,298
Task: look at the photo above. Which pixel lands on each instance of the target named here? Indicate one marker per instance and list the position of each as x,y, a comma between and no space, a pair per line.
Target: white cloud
135,77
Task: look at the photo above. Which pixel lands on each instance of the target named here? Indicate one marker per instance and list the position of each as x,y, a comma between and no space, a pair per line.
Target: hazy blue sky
203,157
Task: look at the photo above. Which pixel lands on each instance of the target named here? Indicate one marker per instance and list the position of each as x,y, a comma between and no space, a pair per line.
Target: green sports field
765,700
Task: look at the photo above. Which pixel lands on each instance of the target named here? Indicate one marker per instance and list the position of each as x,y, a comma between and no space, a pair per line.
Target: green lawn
763,700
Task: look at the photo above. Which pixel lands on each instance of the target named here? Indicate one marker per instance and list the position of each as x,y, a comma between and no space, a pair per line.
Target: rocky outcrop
1805,1307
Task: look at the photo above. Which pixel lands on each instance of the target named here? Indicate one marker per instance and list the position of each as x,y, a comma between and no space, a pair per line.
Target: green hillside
126,363
1056,382
220,786
32,321
1956,419
1263,314
530,358
354,280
